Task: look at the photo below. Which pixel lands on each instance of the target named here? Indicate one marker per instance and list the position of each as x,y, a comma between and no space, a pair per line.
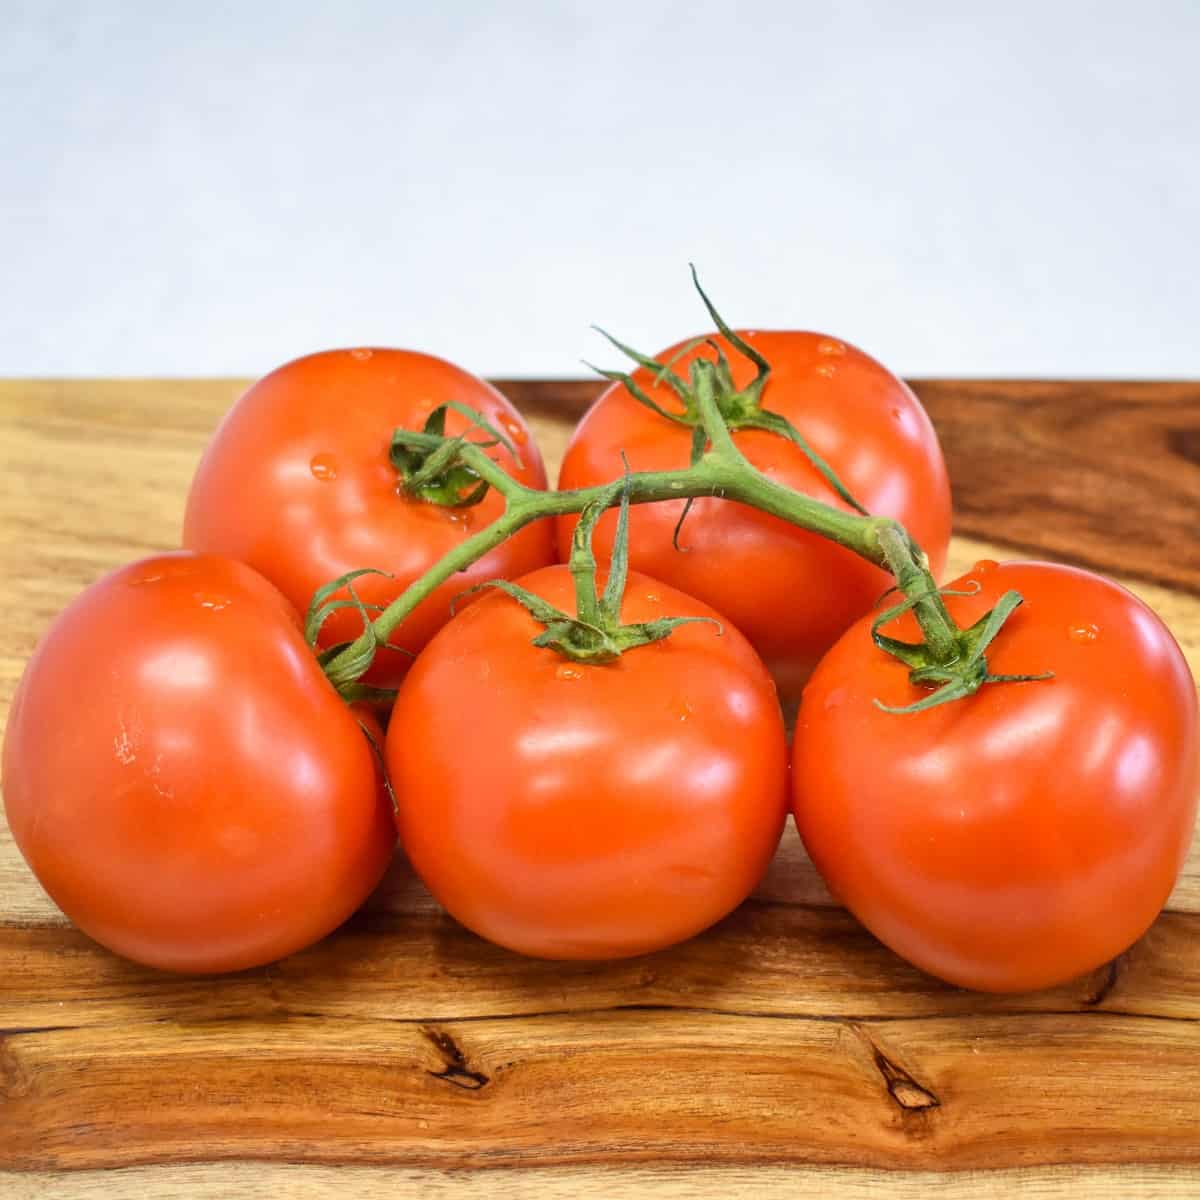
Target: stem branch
722,471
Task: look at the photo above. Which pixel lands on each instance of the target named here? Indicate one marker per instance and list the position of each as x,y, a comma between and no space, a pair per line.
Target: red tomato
790,592
182,778
297,483
572,811
1030,833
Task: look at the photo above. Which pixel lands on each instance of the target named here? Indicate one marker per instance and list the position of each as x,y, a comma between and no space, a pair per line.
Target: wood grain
235,1181
785,1051
624,1086
765,960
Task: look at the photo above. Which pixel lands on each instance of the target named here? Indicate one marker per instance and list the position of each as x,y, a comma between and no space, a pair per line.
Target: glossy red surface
580,811
181,777
1026,835
297,483
790,592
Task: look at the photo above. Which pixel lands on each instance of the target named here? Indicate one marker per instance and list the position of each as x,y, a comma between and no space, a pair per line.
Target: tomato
1024,835
297,482
789,591
587,811
182,778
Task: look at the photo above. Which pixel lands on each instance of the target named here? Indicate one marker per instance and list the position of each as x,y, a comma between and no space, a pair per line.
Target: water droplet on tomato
567,671
1084,632
831,347
516,434
213,602
323,467
685,711
362,354
651,598
827,370
984,565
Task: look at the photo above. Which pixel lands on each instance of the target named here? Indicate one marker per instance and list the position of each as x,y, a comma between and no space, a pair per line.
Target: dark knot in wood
457,1071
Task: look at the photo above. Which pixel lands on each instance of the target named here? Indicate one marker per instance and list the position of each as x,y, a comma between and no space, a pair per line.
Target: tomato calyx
595,634
963,670
431,466
740,408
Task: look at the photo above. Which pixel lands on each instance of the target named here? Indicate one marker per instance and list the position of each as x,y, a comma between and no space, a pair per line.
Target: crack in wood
903,1088
1081,1008
457,1070
908,1095
1104,989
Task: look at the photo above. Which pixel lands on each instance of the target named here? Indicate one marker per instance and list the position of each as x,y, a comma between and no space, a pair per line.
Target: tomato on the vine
1030,833
298,483
182,778
789,591
574,810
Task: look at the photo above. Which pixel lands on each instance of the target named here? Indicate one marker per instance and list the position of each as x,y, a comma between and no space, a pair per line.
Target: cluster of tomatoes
191,790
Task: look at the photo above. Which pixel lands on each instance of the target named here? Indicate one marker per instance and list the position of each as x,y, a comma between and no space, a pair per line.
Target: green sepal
734,339
699,445
645,633
354,657
683,516
911,654
431,466
540,610
979,636
662,371
778,424
618,567
321,607
635,390
480,422
364,693
960,677
595,634
741,409
954,689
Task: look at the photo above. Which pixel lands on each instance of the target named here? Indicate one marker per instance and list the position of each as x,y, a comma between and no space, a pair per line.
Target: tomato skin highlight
297,483
587,812
791,592
1019,838
181,777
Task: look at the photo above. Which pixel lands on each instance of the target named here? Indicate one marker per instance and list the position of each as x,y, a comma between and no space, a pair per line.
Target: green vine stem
596,633
720,470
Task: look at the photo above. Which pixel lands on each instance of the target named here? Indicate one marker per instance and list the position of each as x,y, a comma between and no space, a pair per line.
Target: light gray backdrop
961,188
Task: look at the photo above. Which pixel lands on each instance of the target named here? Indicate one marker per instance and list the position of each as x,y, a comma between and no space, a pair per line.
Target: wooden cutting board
785,1053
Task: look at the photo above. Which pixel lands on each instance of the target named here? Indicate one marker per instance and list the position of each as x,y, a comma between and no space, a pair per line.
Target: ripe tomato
790,592
574,811
182,778
1030,833
297,482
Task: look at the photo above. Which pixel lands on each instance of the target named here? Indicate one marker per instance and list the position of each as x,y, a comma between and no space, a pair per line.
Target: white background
961,188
